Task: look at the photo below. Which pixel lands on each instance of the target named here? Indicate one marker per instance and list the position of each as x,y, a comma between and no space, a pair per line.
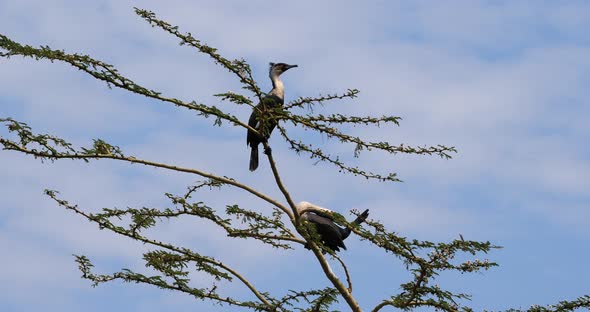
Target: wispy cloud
505,82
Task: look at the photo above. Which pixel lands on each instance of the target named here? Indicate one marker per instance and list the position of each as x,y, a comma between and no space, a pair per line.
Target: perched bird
275,98
331,235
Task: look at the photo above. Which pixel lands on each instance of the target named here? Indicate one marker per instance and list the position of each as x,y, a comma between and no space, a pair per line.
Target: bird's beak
290,66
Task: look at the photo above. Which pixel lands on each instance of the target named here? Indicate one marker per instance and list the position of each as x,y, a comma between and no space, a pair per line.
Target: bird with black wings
331,235
274,99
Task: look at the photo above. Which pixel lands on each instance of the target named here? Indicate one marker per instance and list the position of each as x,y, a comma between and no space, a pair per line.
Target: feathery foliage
281,227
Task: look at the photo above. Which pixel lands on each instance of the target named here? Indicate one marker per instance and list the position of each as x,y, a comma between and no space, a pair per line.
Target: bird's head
276,69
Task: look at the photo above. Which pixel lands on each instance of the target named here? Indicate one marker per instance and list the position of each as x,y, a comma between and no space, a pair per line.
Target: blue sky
503,81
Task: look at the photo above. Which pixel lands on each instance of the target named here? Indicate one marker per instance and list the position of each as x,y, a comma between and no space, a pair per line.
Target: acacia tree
280,228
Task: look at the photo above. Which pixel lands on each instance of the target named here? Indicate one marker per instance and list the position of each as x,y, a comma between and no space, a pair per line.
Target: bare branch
348,279
280,183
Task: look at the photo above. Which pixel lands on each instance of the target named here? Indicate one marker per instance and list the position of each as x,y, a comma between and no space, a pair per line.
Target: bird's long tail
360,219
254,158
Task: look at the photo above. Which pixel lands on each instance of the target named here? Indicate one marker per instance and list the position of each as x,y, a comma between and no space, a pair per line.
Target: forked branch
205,263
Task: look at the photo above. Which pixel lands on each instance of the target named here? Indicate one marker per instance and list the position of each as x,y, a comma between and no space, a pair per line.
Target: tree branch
350,93
275,172
319,154
296,222
134,235
238,67
9,145
109,74
348,279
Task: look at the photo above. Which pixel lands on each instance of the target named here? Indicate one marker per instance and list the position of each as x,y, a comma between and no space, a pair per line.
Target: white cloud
504,83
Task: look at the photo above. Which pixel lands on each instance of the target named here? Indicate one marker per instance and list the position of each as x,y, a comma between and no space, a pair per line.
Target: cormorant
331,235
276,97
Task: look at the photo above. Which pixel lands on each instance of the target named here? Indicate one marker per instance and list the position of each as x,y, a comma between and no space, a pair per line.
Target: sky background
505,82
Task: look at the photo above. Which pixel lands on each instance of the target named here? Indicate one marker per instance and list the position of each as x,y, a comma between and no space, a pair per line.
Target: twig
317,252
146,240
280,184
345,271
229,181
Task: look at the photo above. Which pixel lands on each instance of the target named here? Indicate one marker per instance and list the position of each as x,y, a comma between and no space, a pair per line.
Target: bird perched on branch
275,98
331,235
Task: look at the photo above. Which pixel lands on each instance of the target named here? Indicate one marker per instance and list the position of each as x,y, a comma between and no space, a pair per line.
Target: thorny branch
440,150
204,261
271,231
93,153
346,293
425,260
103,150
109,74
319,154
239,67
309,101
